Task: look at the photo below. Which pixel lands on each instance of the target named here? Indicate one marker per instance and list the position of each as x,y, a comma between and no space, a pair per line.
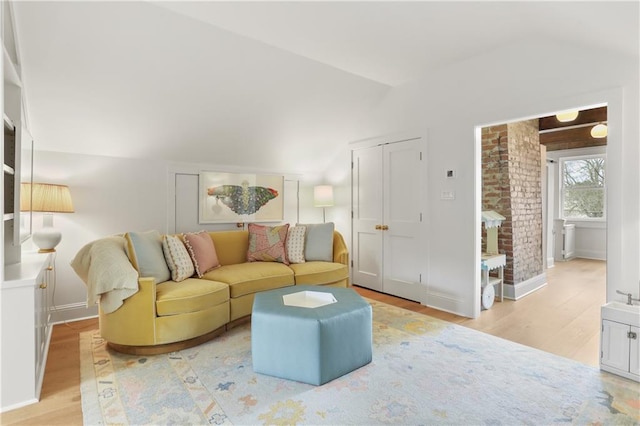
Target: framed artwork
240,197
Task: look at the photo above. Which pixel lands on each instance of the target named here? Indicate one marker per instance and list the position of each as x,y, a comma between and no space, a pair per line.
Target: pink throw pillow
202,252
267,243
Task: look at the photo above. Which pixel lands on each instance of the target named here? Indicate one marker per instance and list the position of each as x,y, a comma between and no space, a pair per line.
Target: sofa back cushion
231,246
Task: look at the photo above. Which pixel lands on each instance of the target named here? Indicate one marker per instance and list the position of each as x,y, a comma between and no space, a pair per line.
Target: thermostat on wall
451,173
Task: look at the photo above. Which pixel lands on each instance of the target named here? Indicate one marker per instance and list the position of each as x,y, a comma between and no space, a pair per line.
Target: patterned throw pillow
144,250
295,244
178,258
202,252
267,243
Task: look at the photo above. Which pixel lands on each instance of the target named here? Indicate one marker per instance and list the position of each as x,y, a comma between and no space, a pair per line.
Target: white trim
43,364
72,312
18,405
591,254
520,290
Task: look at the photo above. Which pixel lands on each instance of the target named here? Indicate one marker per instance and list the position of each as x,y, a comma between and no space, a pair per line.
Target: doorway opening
546,177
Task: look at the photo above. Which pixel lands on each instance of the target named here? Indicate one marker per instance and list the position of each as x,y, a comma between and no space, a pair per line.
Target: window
583,187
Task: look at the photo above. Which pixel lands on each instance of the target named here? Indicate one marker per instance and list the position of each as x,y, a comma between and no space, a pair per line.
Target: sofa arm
133,323
340,252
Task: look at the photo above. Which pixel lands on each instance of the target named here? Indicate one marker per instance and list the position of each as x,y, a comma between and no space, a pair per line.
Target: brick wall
511,186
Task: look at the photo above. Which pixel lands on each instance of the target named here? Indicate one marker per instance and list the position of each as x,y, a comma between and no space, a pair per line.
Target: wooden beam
595,115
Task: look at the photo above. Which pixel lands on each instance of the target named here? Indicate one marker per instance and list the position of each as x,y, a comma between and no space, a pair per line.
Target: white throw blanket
105,268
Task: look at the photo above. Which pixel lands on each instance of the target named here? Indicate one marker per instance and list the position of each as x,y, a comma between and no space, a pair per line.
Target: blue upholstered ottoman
310,344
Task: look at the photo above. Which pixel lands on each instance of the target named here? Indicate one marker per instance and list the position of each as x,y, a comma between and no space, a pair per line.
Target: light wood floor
562,318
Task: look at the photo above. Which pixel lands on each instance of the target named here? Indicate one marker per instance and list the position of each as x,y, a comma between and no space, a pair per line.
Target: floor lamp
323,197
48,199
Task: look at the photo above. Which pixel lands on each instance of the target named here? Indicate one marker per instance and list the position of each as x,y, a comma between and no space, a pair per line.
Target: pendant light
567,116
599,131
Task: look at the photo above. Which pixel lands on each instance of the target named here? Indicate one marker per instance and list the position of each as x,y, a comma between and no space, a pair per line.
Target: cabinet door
403,253
41,313
634,351
367,216
615,345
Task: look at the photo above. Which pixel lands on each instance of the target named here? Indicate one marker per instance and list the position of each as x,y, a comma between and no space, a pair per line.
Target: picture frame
240,198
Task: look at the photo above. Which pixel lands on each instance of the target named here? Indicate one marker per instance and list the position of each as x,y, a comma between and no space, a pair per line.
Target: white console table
490,262
26,329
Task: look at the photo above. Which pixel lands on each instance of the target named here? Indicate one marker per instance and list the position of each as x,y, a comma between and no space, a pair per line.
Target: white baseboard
551,262
518,291
591,254
444,303
72,312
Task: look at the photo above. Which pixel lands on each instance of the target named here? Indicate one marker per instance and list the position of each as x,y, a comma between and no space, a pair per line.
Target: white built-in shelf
7,122
11,74
8,216
8,169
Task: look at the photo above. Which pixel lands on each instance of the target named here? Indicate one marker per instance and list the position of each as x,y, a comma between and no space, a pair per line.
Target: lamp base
47,238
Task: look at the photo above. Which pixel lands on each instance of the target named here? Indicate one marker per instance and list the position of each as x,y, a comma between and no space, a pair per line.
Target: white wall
513,83
521,81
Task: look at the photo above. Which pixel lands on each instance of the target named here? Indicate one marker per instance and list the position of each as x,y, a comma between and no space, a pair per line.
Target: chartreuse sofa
161,293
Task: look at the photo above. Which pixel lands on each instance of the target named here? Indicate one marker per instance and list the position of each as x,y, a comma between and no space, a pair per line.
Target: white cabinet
26,328
620,340
388,193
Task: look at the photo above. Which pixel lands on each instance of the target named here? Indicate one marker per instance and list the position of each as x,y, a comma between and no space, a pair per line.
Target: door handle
378,227
385,228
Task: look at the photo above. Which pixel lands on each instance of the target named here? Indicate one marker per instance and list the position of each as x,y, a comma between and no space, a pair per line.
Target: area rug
424,371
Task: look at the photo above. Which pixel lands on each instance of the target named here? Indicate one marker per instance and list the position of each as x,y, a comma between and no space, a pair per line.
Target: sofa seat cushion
318,273
251,277
190,295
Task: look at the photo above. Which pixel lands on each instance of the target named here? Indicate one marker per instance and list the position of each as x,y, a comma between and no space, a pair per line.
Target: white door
388,204
404,259
367,217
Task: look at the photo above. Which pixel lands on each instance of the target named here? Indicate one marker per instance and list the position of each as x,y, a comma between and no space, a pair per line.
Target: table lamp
47,198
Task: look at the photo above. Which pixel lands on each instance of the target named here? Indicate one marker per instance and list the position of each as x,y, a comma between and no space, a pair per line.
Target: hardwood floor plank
562,318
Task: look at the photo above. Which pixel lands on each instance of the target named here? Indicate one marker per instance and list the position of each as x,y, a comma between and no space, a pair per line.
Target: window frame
563,189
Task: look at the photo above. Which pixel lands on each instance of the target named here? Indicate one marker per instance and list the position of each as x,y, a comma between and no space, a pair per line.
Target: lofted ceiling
267,85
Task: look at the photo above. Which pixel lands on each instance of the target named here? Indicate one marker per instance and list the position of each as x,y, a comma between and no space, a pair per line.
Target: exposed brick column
526,199
496,193
511,186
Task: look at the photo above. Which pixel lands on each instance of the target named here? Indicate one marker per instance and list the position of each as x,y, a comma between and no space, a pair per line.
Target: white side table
489,262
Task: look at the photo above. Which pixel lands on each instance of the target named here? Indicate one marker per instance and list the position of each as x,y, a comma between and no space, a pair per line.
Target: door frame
613,99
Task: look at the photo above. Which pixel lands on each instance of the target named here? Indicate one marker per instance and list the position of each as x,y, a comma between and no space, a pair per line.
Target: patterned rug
424,371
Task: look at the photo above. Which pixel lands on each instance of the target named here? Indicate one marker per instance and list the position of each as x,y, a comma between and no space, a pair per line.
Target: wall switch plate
447,195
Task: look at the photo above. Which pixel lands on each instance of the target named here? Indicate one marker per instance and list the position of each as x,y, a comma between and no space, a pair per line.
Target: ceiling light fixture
567,116
599,131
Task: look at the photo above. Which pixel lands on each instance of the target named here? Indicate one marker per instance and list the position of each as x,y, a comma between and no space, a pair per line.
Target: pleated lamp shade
46,198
